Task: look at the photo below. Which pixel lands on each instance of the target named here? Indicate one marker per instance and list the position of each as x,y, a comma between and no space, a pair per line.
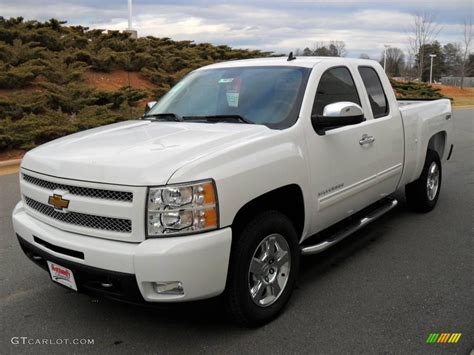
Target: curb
9,166
462,107
10,163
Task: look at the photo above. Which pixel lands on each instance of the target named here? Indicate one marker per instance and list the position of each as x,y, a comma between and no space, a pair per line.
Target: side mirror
337,115
150,105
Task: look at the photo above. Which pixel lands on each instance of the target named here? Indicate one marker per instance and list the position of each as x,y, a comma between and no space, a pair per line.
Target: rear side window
377,97
336,85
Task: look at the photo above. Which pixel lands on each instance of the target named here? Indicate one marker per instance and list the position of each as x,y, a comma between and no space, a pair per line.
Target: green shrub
413,90
43,65
106,60
16,77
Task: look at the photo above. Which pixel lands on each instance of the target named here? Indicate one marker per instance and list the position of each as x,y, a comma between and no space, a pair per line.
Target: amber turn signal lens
209,194
210,218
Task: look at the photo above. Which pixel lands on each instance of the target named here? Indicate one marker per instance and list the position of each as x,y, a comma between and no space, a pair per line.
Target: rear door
387,125
343,168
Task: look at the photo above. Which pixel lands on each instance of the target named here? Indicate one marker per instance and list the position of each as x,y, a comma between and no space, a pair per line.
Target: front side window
377,98
336,85
270,96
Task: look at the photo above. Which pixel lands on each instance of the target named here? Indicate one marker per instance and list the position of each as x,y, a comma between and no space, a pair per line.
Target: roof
307,62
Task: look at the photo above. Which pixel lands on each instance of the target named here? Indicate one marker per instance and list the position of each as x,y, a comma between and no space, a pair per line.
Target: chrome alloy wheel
432,182
269,270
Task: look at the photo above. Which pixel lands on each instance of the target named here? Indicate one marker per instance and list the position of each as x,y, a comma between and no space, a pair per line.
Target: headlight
183,208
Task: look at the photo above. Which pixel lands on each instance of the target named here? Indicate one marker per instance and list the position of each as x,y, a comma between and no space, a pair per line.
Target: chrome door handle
367,139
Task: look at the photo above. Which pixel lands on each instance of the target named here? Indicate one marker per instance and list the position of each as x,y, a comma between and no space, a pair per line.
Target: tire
422,194
265,238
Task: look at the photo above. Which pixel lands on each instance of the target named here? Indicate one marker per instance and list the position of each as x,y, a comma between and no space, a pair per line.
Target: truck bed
422,119
410,102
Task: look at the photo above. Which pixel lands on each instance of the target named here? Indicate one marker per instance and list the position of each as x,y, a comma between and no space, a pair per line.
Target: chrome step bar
351,228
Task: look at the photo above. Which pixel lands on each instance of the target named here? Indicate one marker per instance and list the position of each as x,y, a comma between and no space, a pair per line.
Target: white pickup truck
223,184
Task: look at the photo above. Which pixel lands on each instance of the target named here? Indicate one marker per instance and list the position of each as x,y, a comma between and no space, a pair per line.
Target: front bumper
199,261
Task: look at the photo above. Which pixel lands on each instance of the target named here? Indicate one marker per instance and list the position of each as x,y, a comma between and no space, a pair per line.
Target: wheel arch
437,143
286,199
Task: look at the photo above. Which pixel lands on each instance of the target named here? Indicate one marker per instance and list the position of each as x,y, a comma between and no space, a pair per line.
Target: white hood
140,153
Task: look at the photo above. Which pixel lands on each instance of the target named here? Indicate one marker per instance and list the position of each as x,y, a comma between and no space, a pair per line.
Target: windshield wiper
168,116
220,118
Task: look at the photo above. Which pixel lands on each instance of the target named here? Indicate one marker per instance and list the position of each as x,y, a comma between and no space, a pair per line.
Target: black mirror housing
321,124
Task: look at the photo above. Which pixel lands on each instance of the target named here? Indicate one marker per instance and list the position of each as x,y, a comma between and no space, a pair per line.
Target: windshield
263,95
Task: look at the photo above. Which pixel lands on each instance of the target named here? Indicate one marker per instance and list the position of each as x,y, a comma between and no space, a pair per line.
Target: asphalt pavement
383,290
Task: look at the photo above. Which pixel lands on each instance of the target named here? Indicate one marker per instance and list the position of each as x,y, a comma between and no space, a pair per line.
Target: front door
344,160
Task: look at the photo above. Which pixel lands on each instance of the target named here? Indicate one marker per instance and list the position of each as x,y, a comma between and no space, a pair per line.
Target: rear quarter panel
421,121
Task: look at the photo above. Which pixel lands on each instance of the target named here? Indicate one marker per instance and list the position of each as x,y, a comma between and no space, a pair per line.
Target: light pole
133,33
129,15
385,57
431,67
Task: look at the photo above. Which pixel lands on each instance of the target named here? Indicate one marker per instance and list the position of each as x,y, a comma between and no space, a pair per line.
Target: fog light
169,288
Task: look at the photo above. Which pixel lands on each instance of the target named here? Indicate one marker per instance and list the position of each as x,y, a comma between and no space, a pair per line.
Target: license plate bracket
62,275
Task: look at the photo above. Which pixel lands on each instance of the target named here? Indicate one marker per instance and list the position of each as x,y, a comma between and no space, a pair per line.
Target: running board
351,228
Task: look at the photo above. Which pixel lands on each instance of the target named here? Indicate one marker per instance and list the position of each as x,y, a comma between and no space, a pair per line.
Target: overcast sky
273,25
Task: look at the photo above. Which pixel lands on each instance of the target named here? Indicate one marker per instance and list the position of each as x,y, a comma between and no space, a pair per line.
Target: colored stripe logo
442,338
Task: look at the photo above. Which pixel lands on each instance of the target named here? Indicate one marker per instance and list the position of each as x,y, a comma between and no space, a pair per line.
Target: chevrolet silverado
241,168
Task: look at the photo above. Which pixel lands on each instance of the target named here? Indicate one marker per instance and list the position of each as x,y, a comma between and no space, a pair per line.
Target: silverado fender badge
331,189
58,202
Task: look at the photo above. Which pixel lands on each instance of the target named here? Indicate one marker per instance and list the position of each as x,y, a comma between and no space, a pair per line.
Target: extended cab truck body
219,187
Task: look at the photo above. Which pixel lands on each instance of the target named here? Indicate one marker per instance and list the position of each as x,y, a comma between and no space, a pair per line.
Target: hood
140,152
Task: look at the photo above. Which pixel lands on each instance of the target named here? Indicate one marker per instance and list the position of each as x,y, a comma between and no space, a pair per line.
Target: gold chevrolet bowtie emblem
58,202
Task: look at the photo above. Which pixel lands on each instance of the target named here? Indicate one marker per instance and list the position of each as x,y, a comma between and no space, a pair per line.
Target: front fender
250,169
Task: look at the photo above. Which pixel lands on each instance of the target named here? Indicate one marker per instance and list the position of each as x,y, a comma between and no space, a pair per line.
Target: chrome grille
81,191
81,219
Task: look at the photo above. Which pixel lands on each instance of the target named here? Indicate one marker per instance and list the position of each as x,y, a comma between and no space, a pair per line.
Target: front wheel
422,194
262,270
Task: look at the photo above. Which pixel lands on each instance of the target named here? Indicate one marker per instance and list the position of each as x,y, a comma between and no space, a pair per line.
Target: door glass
377,98
336,85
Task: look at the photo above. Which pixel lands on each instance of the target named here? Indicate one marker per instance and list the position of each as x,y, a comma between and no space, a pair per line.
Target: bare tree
318,45
395,61
340,48
330,49
467,41
409,71
424,30
307,52
452,59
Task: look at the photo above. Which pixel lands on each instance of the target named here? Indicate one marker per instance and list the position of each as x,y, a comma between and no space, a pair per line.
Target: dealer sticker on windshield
62,275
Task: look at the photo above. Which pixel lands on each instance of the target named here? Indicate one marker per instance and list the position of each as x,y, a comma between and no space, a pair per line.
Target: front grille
82,219
81,191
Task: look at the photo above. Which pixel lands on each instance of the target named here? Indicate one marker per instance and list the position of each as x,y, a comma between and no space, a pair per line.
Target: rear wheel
422,194
263,269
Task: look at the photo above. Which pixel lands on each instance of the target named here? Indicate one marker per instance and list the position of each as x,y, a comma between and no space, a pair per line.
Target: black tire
240,306
416,193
